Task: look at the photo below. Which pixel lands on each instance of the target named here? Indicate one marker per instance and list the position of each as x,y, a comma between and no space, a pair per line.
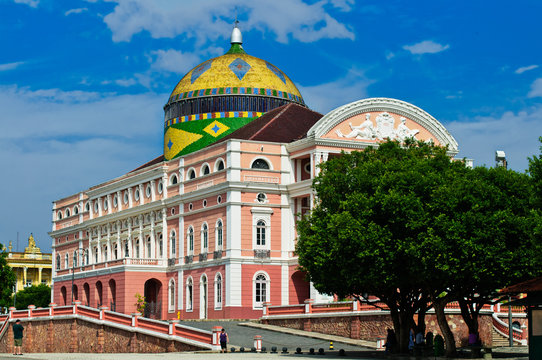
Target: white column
233,227
109,204
91,208
165,236
129,197
285,285
153,254
99,244
120,201
232,280
164,185
180,287
99,200
153,190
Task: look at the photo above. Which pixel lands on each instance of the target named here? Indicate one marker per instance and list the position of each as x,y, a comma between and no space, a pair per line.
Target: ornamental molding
382,105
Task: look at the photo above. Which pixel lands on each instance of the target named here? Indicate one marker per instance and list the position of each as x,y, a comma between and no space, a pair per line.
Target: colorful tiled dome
221,95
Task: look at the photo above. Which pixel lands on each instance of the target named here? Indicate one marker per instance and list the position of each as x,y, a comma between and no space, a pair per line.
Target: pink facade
212,234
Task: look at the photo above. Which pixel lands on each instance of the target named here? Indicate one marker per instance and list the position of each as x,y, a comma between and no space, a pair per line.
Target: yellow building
32,267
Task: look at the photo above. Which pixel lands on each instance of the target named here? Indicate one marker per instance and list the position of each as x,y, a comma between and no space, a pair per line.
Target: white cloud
173,61
75,11
325,97
514,133
31,3
521,70
210,19
343,5
425,47
10,66
536,89
64,142
126,82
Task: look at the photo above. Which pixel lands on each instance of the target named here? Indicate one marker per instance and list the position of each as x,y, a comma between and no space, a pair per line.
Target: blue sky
83,83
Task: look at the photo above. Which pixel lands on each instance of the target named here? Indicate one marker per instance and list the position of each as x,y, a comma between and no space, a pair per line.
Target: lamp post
76,253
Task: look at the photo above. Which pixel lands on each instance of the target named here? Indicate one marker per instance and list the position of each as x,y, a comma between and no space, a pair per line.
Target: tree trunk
470,315
439,305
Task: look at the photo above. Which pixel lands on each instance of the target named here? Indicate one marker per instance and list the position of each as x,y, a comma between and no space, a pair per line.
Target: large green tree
7,278
411,226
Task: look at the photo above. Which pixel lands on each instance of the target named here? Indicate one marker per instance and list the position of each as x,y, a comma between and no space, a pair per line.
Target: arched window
205,169
66,261
86,257
171,299
126,249
75,258
260,233
219,165
173,241
219,234
76,210
204,237
149,247
173,179
137,249
116,251
160,245
260,164
261,292
95,255
58,262
68,213
189,294
191,174
190,240
218,291
87,206
59,215
105,253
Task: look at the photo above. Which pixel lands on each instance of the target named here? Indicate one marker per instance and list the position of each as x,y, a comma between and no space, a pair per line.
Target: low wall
371,326
77,335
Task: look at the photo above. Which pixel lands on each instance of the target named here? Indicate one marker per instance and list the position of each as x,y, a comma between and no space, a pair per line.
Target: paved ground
241,334
502,353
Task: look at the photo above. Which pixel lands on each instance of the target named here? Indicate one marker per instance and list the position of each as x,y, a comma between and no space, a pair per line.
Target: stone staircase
498,340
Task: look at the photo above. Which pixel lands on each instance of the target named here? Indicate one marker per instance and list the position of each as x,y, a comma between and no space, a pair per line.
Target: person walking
224,340
17,337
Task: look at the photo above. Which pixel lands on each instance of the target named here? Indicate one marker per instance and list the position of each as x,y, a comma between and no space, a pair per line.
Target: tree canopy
7,277
407,224
38,295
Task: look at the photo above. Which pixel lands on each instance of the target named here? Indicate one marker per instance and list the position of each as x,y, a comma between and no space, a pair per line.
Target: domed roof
222,95
238,69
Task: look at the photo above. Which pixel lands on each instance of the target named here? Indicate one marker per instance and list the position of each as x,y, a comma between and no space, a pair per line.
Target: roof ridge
271,120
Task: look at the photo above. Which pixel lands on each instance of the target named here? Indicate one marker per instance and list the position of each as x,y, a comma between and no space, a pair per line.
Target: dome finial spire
236,36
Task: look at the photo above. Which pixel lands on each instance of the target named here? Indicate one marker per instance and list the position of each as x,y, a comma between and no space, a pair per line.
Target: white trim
217,161
265,158
202,167
218,304
259,305
203,296
219,246
204,249
171,289
189,294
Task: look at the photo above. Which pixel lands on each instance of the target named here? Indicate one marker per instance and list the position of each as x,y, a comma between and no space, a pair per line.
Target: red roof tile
531,285
157,160
284,124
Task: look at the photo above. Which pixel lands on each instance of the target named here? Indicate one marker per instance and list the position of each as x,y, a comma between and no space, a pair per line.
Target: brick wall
77,335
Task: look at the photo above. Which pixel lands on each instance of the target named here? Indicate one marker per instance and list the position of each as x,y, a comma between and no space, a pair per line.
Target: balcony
217,254
203,256
188,259
262,254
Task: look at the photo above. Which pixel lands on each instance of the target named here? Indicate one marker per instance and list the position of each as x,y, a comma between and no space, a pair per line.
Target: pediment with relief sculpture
376,119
